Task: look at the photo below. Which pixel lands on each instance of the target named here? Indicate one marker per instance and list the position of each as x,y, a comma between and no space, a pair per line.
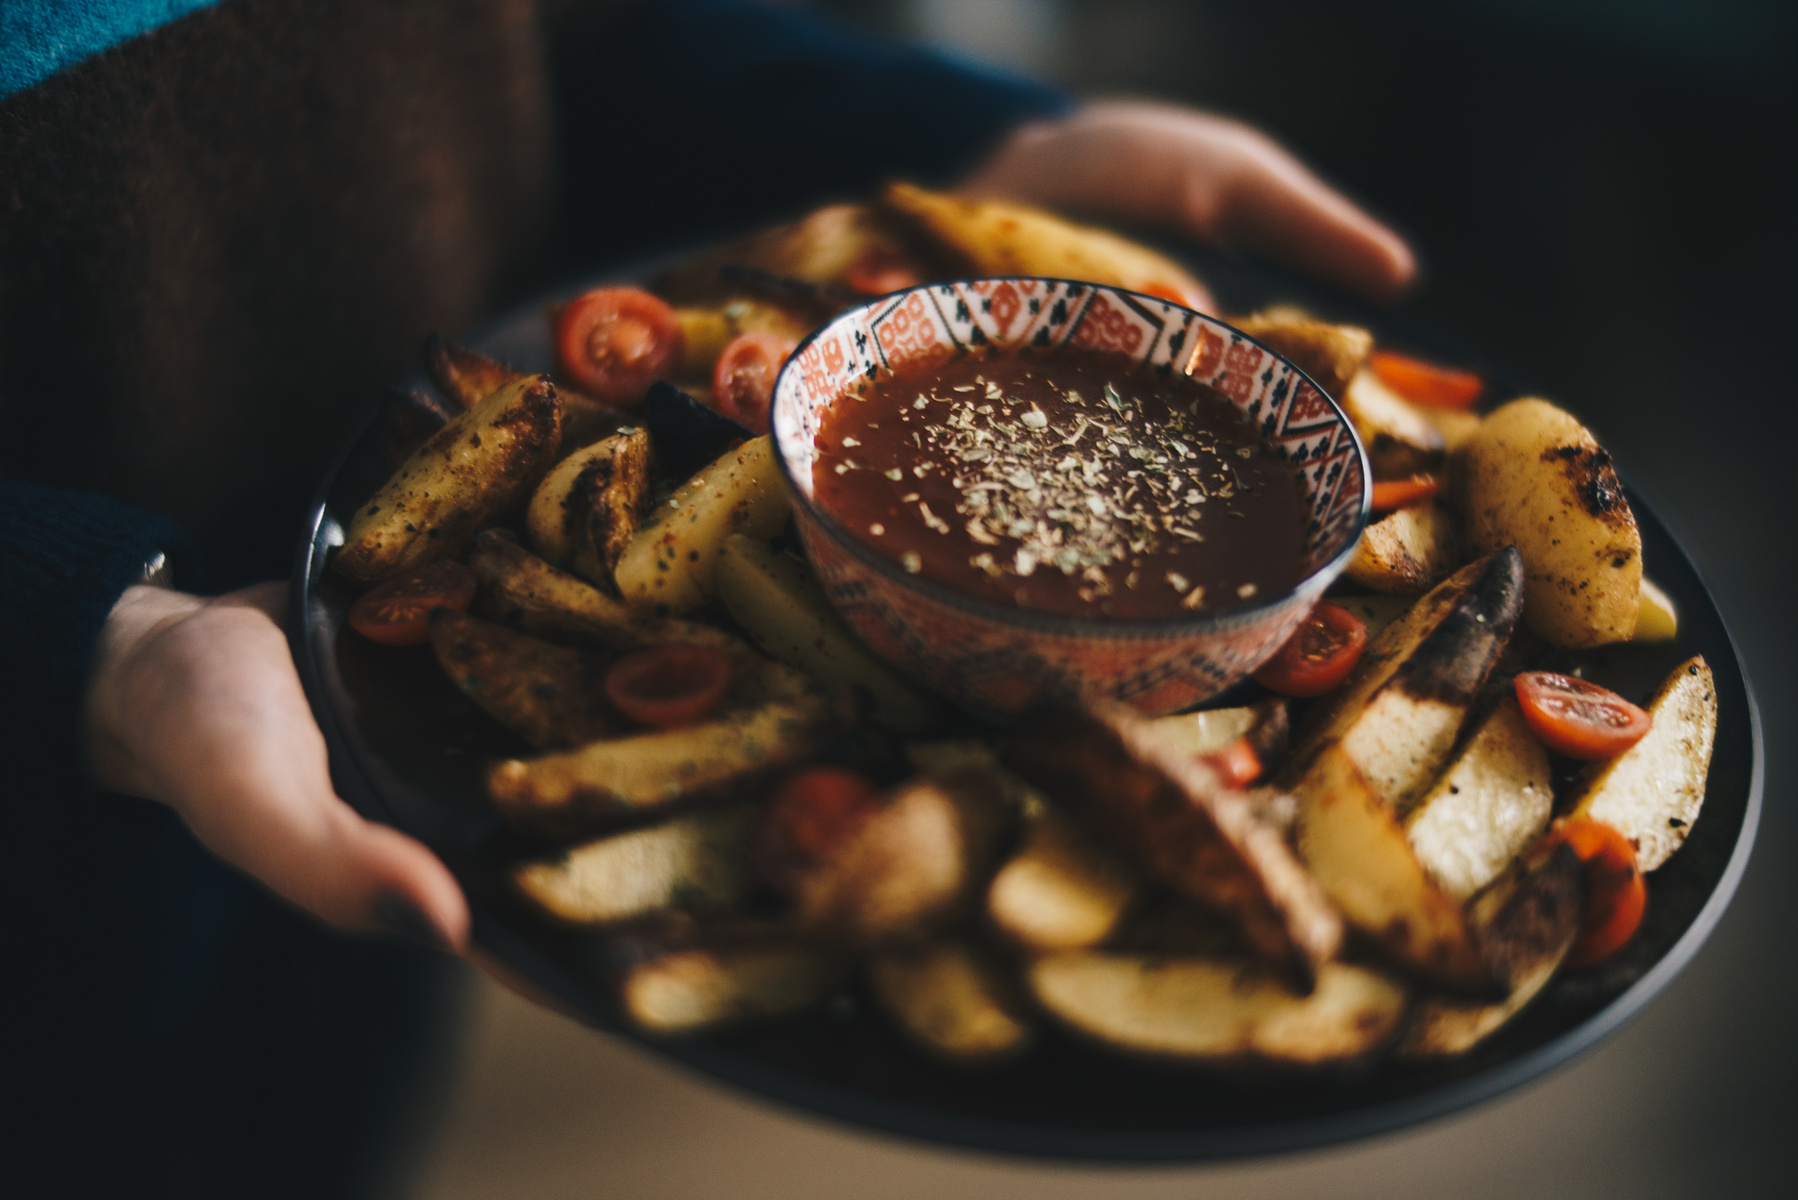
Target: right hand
195,703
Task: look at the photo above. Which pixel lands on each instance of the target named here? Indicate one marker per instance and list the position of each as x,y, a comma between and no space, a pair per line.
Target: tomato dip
1075,483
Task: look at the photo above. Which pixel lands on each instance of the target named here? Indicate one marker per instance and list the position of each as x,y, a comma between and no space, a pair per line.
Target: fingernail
404,918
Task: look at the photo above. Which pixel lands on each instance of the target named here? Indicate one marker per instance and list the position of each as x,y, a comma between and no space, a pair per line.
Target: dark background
1603,194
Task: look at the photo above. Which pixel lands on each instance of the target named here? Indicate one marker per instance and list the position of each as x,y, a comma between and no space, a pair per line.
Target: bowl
1000,661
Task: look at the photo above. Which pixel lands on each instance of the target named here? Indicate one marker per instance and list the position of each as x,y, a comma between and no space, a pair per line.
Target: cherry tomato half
1616,895
1579,719
880,271
398,612
670,685
1389,494
1317,657
1425,383
1237,763
613,343
816,811
743,381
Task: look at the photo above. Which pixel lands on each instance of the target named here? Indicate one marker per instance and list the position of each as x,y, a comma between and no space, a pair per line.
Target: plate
404,743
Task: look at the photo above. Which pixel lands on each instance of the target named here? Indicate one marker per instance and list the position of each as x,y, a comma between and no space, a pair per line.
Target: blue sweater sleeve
65,558
695,113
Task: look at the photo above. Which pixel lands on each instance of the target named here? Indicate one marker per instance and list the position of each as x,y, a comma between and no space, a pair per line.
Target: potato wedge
706,331
1217,1009
587,509
1657,618
694,862
820,247
466,376
521,590
1408,550
1377,611
1359,854
997,237
1214,729
1534,478
1652,792
1185,827
688,991
951,999
562,793
914,866
1330,354
1400,438
1061,890
552,696
1398,713
475,468
668,568
1492,801
1525,924
777,600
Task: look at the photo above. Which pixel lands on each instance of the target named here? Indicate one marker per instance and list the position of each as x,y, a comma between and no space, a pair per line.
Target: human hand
196,703
1200,175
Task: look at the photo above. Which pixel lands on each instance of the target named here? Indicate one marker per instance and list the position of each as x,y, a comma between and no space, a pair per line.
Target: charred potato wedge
1408,550
1061,890
1359,854
669,566
1400,439
1534,478
694,862
1218,1010
997,237
470,472
587,509
1651,793
690,990
466,376
1330,354
552,696
1492,801
777,600
951,999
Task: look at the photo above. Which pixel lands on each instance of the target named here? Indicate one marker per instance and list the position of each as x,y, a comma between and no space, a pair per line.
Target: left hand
1200,175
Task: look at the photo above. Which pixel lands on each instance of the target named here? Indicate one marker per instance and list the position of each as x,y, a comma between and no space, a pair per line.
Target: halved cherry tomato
1579,719
613,343
1317,657
670,685
1616,895
814,813
880,271
1425,383
398,612
743,381
1237,763
1389,494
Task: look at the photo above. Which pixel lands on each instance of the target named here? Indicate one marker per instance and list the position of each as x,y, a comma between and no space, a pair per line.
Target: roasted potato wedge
912,868
689,990
707,331
587,509
1408,550
1492,801
668,568
997,237
821,247
694,862
1657,618
521,590
1330,354
1652,792
1214,729
1359,854
1400,438
1525,924
1533,477
1187,828
1398,713
466,376
1377,611
553,696
777,600
951,999
563,793
1062,890
1218,1009
471,471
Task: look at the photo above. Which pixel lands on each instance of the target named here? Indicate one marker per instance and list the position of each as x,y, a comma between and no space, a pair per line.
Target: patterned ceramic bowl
998,660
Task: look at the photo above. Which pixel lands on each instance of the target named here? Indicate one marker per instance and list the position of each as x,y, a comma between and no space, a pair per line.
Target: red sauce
1073,484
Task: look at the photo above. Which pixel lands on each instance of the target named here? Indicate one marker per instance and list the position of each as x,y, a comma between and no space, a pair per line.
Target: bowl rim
1068,624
